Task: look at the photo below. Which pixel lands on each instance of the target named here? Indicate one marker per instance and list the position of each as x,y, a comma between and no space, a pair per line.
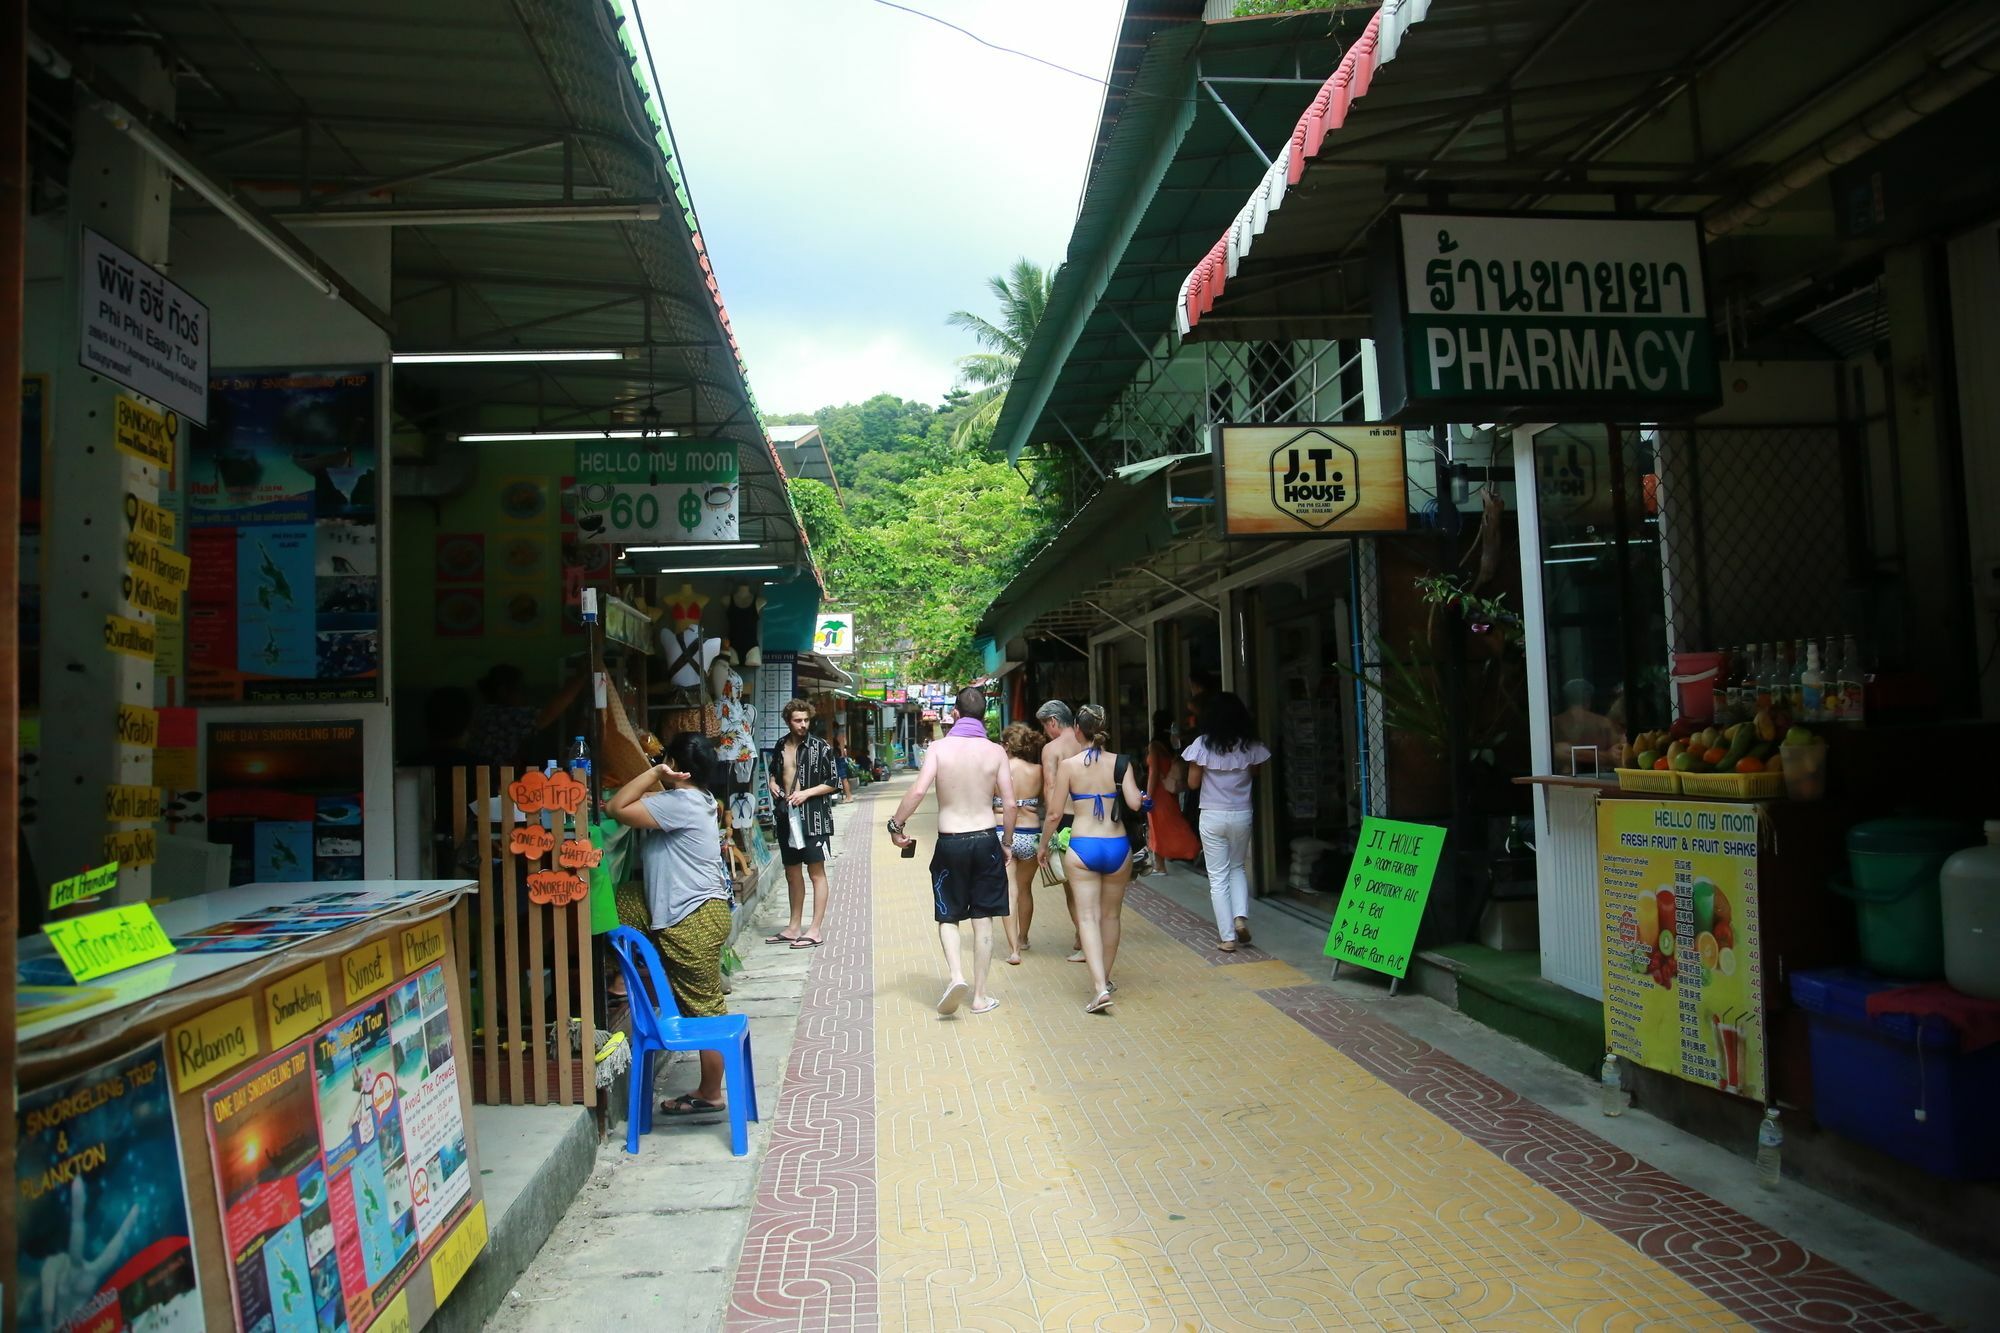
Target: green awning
1125,522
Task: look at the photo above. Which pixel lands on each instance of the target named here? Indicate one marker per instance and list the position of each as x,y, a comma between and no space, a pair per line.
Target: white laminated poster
433,1119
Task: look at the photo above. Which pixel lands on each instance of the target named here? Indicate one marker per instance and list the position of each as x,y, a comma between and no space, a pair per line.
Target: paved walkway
1234,1147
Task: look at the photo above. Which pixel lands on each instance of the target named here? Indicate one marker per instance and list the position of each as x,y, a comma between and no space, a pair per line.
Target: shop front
1736,520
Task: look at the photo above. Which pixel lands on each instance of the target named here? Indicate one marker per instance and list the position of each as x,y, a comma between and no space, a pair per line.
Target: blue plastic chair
657,1026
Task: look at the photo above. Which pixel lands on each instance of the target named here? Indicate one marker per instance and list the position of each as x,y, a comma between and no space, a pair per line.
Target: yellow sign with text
146,434
78,888
149,522
214,1043
423,945
295,1005
134,638
1311,480
161,563
143,592
109,941
454,1255
395,1316
133,848
131,805
366,970
138,726
1683,969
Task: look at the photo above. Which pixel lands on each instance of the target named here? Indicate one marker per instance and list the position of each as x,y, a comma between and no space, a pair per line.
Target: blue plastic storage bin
1872,1075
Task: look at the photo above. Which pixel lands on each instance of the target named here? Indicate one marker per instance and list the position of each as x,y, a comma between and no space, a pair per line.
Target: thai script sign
137,329
1503,314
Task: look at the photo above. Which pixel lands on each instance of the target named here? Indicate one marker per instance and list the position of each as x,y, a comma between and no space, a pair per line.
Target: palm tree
1023,294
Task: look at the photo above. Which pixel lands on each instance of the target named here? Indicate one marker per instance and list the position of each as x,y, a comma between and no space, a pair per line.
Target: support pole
13,236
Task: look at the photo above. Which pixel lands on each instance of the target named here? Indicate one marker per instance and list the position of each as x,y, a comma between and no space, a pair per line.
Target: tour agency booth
242,1093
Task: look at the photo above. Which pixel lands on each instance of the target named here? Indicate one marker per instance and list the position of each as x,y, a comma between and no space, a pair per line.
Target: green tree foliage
1023,294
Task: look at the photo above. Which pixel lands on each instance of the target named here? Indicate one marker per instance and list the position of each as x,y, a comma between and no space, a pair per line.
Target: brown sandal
1225,946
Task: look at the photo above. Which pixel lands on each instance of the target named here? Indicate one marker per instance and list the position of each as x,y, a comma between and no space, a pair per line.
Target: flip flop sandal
991,1004
687,1105
954,995
782,938
1077,957
1225,946
1100,1004
803,943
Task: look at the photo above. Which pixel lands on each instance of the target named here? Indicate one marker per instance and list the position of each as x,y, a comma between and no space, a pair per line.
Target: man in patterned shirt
803,781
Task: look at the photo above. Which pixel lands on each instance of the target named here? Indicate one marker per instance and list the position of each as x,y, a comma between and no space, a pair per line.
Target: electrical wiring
1029,55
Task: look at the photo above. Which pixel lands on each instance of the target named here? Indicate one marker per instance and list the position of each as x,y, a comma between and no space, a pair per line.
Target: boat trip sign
1310,480
1544,314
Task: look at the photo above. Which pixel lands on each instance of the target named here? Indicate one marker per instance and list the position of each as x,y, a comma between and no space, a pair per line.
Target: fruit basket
1662,782
1733,786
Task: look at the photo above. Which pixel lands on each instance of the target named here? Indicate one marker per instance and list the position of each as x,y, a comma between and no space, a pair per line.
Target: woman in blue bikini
1096,789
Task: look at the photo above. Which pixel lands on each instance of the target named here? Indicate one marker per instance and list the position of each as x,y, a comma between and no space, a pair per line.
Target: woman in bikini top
1097,789
1024,757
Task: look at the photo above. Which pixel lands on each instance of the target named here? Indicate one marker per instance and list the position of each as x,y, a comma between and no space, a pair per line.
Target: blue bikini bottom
1105,856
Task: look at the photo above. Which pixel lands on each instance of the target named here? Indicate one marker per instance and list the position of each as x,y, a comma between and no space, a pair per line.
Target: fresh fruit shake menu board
101,1203
284,602
1683,972
339,1163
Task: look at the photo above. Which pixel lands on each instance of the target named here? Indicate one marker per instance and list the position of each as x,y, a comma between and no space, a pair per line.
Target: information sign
1382,902
668,491
1683,979
137,329
109,941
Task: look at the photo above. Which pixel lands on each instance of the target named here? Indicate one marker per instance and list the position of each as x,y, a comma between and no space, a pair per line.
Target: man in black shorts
969,868
803,781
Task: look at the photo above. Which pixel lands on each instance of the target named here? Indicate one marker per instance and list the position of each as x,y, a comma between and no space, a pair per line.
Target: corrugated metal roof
321,104
1171,172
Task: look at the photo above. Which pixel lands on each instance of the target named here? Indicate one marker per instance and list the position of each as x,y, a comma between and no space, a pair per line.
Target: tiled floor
1234,1147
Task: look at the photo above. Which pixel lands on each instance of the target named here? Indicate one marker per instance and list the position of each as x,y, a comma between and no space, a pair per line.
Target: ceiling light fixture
526,436
719,569
694,546
469,358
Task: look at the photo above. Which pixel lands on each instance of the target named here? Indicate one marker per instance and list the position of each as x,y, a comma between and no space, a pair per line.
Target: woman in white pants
1225,756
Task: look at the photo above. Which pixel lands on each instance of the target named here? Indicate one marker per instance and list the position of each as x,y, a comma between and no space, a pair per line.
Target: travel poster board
285,603
1683,972
286,798
342,1162
1382,900
101,1206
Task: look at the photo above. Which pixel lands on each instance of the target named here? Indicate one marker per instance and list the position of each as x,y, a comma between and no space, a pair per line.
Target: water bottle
579,761
1770,1142
1610,1091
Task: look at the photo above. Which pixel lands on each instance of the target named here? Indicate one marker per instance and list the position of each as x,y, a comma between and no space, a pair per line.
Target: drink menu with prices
1683,974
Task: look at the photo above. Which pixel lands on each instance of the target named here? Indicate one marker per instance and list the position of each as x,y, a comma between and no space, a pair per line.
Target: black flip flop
782,938
687,1106
803,942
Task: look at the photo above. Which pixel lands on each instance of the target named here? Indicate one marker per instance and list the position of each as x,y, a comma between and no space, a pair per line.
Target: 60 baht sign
1310,480
671,492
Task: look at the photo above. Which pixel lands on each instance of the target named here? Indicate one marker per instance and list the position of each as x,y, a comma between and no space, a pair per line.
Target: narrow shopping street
1234,1147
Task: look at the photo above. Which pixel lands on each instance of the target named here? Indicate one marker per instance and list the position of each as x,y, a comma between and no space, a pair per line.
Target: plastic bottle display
1731,699
1795,670
1610,1091
579,761
1812,688
1853,692
1770,1144
1969,889
1765,666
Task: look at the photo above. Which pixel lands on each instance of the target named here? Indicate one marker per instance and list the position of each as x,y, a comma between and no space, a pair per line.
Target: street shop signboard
341,1163
1683,971
672,492
1306,480
1542,316
284,602
1382,902
833,636
101,1206
140,330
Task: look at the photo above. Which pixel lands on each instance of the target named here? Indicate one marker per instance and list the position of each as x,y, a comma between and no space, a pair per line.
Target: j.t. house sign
1311,480
1562,317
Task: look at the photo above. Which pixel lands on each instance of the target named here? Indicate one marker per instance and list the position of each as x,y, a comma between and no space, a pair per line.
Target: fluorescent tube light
528,436
466,358
695,546
718,569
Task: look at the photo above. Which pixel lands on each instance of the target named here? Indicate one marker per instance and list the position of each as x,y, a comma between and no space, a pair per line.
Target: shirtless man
969,869
1059,725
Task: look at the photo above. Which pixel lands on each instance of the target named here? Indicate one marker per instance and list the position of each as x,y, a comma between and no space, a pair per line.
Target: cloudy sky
860,171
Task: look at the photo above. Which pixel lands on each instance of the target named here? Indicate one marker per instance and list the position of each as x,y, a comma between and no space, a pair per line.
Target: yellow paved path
1196,1161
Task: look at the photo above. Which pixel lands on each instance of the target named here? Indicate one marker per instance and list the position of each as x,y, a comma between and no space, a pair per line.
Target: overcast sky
859,172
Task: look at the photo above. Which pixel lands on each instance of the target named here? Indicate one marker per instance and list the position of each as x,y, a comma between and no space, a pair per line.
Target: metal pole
13,237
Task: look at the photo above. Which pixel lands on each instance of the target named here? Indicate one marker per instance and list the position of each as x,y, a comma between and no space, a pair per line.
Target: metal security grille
1753,527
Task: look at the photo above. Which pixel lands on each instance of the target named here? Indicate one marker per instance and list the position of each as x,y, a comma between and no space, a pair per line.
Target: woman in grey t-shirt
688,889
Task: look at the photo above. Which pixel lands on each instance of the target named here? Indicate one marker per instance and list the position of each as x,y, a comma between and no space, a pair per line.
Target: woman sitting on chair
687,890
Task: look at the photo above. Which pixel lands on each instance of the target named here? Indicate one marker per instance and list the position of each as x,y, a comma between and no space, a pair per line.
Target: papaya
1739,748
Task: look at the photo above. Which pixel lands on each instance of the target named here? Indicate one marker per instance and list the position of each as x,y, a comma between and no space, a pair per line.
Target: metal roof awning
1195,125
521,154
1725,108
802,450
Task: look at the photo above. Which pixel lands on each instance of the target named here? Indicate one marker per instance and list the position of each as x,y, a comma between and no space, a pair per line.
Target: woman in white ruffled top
1223,760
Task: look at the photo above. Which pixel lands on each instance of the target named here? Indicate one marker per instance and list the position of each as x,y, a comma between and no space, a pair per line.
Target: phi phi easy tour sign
137,329
1546,315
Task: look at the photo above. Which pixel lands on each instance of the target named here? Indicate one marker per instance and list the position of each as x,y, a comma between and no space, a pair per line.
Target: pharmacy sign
1545,316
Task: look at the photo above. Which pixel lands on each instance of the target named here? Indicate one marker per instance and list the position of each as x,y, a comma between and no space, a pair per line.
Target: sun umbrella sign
835,635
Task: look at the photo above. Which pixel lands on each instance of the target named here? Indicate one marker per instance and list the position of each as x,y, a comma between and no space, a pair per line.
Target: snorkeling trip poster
284,604
286,798
101,1203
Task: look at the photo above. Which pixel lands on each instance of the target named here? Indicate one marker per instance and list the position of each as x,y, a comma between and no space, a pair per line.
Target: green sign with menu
1382,900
